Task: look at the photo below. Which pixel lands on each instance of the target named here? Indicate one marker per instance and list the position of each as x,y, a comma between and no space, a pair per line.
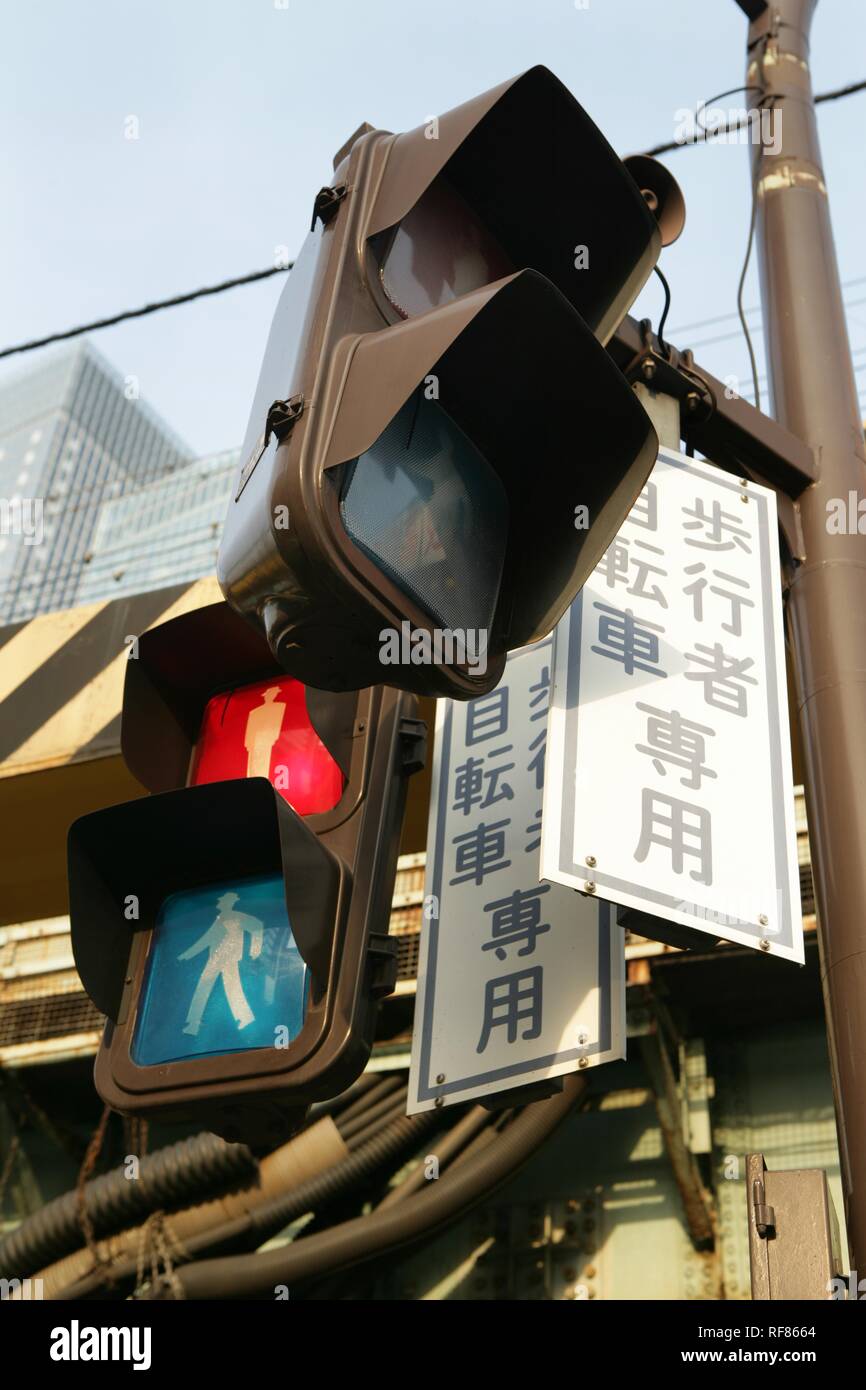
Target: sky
239,106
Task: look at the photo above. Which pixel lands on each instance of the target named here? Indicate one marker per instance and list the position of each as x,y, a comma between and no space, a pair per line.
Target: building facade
166,532
73,436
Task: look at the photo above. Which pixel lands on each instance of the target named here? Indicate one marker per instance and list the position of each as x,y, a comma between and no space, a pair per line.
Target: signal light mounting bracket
326,203
282,416
413,734
734,434
382,956
726,428
279,420
674,374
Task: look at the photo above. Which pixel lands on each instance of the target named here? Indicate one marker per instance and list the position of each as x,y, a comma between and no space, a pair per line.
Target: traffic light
233,926
440,450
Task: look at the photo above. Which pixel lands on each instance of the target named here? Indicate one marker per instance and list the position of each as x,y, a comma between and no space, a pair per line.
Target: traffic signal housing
435,409
233,926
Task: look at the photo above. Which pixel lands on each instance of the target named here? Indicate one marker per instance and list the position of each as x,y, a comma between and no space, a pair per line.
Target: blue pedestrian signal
223,974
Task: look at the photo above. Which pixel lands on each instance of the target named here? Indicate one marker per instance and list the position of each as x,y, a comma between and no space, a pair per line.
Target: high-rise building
73,436
163,533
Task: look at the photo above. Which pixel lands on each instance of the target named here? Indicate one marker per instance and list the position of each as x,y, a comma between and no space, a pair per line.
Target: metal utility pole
814,396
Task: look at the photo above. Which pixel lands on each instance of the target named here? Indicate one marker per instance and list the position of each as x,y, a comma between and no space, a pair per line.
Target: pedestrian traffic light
233,926
440,450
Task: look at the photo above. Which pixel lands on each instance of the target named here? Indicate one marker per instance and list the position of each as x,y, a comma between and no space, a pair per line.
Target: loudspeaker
662,193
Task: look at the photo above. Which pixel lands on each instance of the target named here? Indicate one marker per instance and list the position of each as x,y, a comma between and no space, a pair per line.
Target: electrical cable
740,310
754,309
145,309
752,220
384,1086
258,1225
195,1169
702,381
395,1139
247,1276
753,217
341,1102
255,275
846,91
276,1168
383,1103
700,139
118,1257
672,145
732,91
499,1121
663,320
395,1109
755,328
447,1148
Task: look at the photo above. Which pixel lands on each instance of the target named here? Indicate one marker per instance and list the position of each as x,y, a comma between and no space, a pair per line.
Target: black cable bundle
191,1171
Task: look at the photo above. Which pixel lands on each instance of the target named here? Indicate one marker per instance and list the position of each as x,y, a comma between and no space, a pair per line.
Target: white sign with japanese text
518,980
669,784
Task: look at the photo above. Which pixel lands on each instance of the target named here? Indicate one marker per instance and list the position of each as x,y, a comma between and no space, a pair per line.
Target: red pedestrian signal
235,931
264,730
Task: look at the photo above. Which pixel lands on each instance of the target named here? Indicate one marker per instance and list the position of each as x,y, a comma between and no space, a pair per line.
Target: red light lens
441,249
264,730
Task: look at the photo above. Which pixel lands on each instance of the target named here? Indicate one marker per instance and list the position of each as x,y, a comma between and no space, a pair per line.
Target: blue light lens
223,974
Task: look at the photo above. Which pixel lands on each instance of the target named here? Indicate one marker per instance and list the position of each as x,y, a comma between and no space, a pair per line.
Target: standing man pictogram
224,942
264,724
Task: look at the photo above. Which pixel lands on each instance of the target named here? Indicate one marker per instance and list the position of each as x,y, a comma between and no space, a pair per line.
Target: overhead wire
95,324
752,309
708,134
145,309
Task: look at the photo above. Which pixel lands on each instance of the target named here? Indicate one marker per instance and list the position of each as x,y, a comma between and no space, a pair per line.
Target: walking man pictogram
224,942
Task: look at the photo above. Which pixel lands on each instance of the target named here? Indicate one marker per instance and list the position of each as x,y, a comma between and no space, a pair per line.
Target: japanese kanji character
469,783
721,688
716,525
617,561
510,999
541,700
487,717
682,822
626,640
478,851
643,567
538,747
645,510
614,564
681,742
495,792
516,918
737,601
